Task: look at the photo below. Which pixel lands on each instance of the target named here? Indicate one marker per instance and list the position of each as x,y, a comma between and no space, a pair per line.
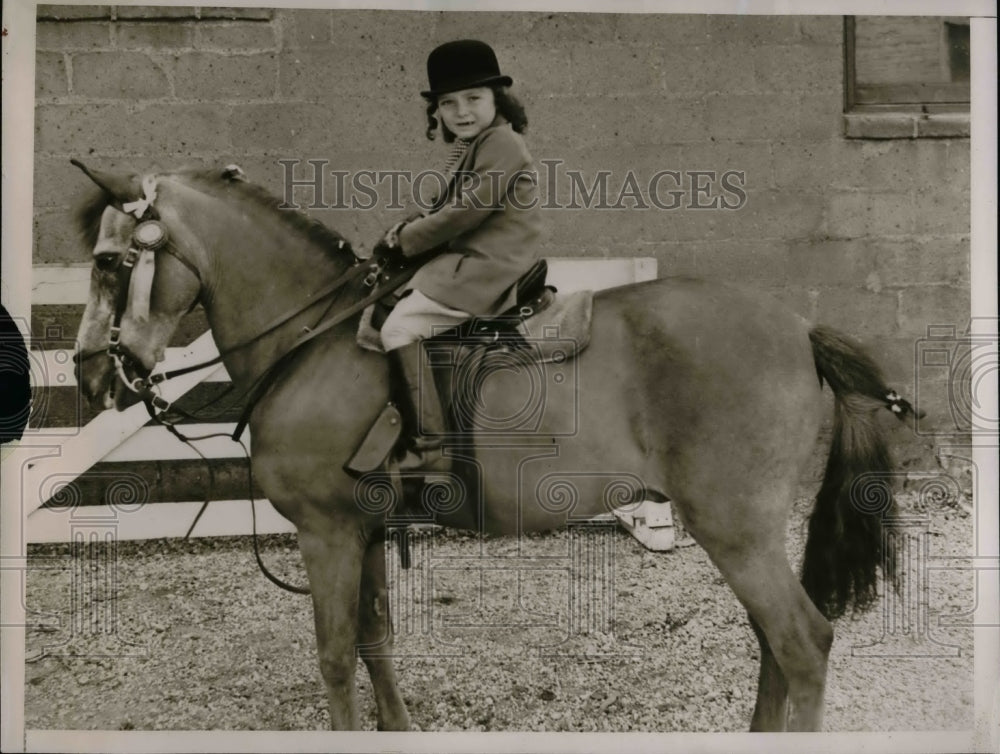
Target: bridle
135,275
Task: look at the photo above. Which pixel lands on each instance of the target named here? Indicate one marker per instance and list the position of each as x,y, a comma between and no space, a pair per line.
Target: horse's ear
124,187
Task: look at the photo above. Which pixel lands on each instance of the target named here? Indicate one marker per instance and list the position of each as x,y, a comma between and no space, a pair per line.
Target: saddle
541,327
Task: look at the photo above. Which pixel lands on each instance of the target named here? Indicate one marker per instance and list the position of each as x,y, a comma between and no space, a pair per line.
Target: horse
708,395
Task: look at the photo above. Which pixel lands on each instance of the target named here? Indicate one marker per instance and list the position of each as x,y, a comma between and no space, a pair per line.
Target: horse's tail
846,544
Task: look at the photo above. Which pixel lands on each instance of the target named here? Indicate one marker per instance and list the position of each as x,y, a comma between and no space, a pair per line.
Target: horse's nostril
76,359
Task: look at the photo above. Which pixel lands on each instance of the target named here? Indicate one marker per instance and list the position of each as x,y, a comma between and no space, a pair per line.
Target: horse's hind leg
375,641
333,560
797,638
771,709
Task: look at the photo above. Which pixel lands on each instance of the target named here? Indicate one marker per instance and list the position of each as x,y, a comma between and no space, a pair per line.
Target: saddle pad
562,329
368,337
558,332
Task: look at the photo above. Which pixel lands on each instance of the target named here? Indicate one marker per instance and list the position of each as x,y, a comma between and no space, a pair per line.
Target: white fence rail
122,437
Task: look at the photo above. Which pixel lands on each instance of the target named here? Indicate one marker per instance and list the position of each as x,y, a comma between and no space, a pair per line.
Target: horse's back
684,381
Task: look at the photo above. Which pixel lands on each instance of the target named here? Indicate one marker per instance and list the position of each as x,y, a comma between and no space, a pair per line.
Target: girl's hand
387,247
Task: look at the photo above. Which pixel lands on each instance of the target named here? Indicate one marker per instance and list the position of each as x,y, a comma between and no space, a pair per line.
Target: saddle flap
380,440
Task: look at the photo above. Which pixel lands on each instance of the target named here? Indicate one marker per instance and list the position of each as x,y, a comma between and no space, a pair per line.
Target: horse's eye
106,262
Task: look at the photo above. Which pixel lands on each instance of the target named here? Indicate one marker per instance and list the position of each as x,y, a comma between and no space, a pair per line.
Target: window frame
894,111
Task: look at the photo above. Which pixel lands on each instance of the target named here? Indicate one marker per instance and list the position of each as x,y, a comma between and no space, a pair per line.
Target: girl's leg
417,317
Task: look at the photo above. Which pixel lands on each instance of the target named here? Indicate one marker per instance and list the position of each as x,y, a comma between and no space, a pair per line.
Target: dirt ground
163,635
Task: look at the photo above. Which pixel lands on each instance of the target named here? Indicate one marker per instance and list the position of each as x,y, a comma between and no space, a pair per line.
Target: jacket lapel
466,162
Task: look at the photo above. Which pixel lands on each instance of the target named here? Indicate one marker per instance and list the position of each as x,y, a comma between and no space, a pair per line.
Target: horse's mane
219,184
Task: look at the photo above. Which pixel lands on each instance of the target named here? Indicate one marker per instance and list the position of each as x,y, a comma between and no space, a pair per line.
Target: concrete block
57,240
325,75
663,30
238,14
942,163
751,263
810,165
147,12
305,28
944,125
556,29
913,262
118,75
751,158
51,79
865,213
85,35
943,210
890,164
538,72
826,263
746,117
215,76
802,301
934,305
753,30
798,68
155,35
179,130
880,125
658,121
407,36
857,312
673,258
778,214
72,12
708,68
822,30
236,36
75,129
820,116
295,129
609,69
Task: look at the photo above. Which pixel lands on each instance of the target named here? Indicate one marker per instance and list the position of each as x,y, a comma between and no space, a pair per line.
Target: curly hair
507,105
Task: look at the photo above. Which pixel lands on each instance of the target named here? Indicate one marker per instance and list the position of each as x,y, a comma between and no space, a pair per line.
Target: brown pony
690,390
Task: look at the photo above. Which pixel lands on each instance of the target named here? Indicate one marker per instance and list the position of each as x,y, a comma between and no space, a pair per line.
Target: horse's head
142,283
166,241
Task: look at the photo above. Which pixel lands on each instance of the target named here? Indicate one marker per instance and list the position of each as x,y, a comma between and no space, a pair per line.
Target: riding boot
420,392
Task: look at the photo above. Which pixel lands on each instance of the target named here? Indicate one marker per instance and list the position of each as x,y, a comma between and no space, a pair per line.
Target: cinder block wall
868,236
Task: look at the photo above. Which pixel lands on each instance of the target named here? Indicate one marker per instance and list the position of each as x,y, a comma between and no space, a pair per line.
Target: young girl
485,225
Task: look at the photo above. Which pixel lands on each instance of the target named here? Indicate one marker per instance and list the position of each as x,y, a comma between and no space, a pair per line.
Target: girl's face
467,112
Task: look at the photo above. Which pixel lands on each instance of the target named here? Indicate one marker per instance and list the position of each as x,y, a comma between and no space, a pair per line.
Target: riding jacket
488,220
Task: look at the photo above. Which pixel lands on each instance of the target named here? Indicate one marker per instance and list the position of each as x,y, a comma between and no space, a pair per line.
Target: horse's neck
262,270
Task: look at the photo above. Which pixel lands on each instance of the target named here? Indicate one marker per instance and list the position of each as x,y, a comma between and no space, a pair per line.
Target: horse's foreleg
333,559
772,692
375,641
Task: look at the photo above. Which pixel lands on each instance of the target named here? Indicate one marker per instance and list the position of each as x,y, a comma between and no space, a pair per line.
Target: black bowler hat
463,64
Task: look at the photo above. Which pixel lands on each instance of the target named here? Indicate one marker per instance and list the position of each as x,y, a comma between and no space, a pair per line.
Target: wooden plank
574,274
70,283
109,430
222,518
157,444
60,283
56,367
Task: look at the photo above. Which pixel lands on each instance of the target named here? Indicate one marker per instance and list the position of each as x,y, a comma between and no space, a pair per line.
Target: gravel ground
200,640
